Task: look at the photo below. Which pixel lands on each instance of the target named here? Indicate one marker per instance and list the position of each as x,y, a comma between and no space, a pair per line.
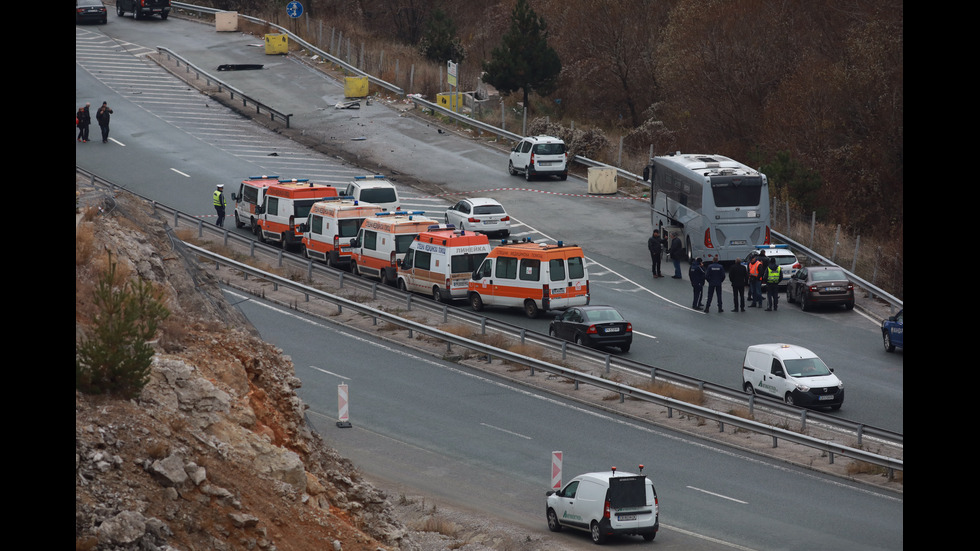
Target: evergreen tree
440,43
524,60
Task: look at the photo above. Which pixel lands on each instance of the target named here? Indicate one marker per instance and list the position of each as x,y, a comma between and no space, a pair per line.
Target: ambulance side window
250,194
370,240
423,260
506,267
557,269
348,228
576,267
316,224
272,206
486,269
409,259
530,269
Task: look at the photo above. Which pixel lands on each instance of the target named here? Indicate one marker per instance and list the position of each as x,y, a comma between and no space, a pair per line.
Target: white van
441,260
539,156
791,373
382,242
606,504
374,189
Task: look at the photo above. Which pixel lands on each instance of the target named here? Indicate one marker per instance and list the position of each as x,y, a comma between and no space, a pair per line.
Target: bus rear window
736,192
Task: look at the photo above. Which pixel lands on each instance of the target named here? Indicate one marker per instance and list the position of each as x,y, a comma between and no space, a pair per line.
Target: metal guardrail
858,429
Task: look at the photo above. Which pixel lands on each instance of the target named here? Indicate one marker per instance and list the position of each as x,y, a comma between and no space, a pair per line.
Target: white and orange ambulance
534,276
441,260
383,240
249,199
286,207
331,225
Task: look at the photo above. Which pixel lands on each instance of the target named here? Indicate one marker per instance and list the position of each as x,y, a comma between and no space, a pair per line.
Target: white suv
539,156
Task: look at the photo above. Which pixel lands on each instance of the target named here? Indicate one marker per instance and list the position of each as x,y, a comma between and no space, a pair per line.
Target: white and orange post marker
343,407
556,470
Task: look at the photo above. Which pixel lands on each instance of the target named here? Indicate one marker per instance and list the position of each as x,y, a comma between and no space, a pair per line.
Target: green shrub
115,357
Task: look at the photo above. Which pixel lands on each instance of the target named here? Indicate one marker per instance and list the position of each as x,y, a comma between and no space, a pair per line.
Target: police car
785,258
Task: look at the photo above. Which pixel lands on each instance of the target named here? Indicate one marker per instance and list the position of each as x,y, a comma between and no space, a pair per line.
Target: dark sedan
90,11
820,285
593,326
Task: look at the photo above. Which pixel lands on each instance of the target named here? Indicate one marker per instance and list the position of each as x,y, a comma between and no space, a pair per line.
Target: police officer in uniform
219,204
774,274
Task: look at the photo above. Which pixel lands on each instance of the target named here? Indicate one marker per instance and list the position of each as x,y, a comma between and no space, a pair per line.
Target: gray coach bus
716,205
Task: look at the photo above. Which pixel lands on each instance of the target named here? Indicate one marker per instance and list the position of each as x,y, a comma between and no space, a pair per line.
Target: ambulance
331,225
250,196
534,276
441,260
383,240
286,207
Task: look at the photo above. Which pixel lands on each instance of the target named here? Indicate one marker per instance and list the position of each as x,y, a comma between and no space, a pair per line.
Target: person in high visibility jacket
774,274
757,269
218,198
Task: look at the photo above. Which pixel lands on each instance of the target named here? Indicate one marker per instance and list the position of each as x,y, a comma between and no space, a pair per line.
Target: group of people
752,274
83,119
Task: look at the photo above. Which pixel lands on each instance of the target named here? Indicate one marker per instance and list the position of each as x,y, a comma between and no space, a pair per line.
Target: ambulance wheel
436,295
332,259
402,286
238,222
353,269
385,278
531,309
476,302
553,523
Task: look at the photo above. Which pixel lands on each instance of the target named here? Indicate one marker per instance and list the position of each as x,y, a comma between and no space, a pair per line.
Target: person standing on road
715,276
676,251
84,120
757,271
79,117
656,249
102,115
218,198
696,273
739,276
774,274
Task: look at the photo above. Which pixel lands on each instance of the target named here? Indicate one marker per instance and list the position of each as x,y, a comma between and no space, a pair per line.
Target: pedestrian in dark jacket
696,273
84,120
655,244
676,252
739,276
102,115
715,276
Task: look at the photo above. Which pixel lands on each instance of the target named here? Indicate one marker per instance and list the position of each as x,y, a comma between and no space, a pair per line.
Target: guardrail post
803,420
279,254
251,249
374,291
607,363
309,272
341,280
523,333
831,454
564,350
408,303
445,313
774,441
860,434
483,326
200,229
653,374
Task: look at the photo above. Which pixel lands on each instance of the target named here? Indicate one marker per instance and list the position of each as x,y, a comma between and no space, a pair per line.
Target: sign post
343,413
556,470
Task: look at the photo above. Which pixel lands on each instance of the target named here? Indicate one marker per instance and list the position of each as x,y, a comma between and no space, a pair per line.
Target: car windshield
607,314
488,209
807,367
828,275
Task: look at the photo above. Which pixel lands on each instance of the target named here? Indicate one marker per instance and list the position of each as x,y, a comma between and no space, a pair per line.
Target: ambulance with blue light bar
286,207
331,225
534,276
383,241
441,260
249,199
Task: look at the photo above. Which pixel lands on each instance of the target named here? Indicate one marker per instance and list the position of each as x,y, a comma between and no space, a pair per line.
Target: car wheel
563,177
649,536
789,295
136,14
804,303
511,169
552,333
531,309
119,10
553,523
748,388
789,399
849,306
527,173
579,340
886,338
163,16
598,537
625,348
476,302
835,407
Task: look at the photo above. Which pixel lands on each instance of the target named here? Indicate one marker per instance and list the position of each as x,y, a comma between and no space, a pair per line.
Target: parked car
90,11
539,156
606,504
785,259
143,9
479,214
593,326
891,331
818,285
